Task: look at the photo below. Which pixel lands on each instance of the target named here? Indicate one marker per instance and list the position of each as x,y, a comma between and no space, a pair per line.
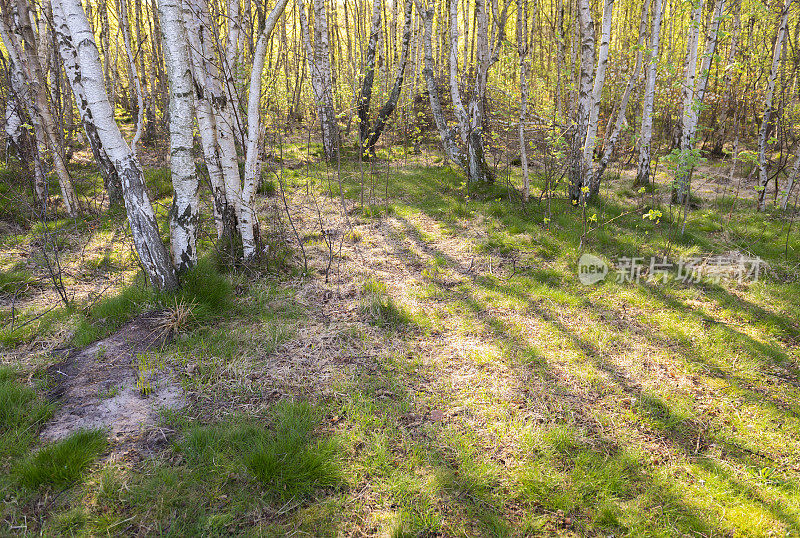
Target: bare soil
100,386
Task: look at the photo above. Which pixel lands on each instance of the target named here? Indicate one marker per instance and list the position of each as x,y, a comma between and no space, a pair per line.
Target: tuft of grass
267,188
62,463
290,462
208,290
158,182
204,295
379,309
22,413
13,281
289,459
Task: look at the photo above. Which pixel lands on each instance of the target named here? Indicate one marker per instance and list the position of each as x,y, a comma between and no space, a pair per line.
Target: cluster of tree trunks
208,58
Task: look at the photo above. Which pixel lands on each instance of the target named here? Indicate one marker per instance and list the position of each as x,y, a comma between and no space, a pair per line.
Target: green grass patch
62,463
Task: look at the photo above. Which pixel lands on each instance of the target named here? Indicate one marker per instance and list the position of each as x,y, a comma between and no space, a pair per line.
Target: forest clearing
548,288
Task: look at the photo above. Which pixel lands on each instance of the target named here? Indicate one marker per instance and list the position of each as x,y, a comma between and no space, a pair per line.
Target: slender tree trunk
134,72
388,108
369,75
646,132
729,100
477,169
611,140
320,74
522,50
792,180
694,91
446,133
763,175
144,229
597,95
69,57
185,212
247,218
578,165
21,45
25,145
230,67
200,52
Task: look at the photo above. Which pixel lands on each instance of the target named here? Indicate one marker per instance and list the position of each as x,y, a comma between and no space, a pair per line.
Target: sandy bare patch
101,385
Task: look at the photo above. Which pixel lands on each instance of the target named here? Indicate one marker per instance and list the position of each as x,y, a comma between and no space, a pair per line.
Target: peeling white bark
144,229
319,66
585,87
206,84
763,175
646,132
522,51
446,132
252,168
185,212
694,91
17,34
611,142
597,89
69,57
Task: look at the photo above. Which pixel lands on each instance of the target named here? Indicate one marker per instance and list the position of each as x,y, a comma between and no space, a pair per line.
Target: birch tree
792,181
597,94
319,66
214,120
585,88
469,120
124,27
252,169
693,94
646,129
185,213
20,41
619,123
69,58
447,133
522,51
369,131
26,146
763,175
141,217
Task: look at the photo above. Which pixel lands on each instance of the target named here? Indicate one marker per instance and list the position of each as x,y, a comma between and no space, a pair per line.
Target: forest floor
438,369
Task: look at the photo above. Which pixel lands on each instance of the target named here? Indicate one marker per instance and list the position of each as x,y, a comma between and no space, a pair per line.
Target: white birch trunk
20,44
69,57
522,51
476,162
206,83
185,212
388,108
611,142
134,72
369,75
455,93
646,132
320,74
763,175
597,89
144,229
792,180
446,133
694,91
252,168
585,87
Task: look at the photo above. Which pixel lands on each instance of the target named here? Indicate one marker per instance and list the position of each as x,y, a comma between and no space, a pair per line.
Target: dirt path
114,384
